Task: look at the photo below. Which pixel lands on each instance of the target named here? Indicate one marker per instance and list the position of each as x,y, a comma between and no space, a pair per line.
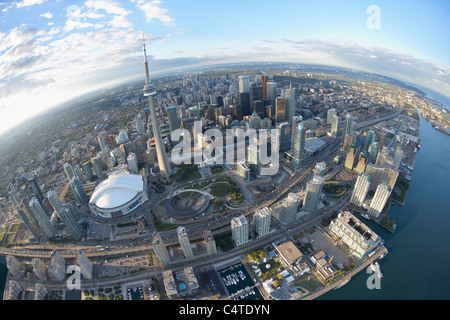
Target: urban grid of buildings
113,181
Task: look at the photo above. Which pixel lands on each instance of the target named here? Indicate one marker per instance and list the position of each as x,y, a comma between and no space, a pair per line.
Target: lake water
417,264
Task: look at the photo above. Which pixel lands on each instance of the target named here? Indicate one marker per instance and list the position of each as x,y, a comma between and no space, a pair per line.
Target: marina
239,284
136,293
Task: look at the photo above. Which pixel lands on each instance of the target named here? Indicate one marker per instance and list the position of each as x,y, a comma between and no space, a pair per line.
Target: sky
52,51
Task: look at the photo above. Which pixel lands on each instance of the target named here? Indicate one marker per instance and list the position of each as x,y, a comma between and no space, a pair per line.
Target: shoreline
335,284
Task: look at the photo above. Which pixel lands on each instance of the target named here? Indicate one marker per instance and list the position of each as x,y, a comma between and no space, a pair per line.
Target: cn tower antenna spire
147,76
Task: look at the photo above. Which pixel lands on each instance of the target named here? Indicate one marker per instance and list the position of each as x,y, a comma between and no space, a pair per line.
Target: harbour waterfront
416,267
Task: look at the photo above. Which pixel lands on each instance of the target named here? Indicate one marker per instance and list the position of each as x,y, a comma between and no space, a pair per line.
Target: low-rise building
289,252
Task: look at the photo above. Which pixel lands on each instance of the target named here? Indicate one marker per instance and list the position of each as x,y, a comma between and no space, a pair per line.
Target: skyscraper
244,101
254,163
39,268
348,124
33,184
85,265
68,170
23,208
57,266
289,208
352,156
349,139
98,166
160,249
244,84
87,170
139,126
370,138
373,149
185,244
132,162
264,80
271,88
312,194
150,91
79,173
330,114
261,220
101,139
280,110
42,218
54,200
239,230
291,103
298,138
14,266
379,199
210,243
78,191
362,162
255,93
361,188
334,126
319,169
381,173
71,222
174,122
40,292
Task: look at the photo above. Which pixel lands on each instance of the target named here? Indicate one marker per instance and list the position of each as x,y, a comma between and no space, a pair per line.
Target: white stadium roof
116,191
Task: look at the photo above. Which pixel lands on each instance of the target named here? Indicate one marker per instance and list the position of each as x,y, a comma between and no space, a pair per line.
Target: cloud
47,15
400,66
76,24
52,71
109,6
152,10
27,3
120,22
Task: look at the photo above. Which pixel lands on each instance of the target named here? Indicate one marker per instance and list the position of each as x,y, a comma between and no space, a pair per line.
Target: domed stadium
118,195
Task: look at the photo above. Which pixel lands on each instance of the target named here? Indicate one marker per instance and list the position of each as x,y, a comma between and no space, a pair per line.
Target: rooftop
117,190
289,252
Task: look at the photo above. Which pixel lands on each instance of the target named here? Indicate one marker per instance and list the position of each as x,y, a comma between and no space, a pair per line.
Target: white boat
365,215
383,254
376,268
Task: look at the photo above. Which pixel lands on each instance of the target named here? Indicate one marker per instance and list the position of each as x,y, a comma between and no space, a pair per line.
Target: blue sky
54,50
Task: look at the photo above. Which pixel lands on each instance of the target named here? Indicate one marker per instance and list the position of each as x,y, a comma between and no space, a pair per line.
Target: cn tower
149,91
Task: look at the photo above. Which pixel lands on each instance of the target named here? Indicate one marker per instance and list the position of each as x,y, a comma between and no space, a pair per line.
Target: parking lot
98,231
320,241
